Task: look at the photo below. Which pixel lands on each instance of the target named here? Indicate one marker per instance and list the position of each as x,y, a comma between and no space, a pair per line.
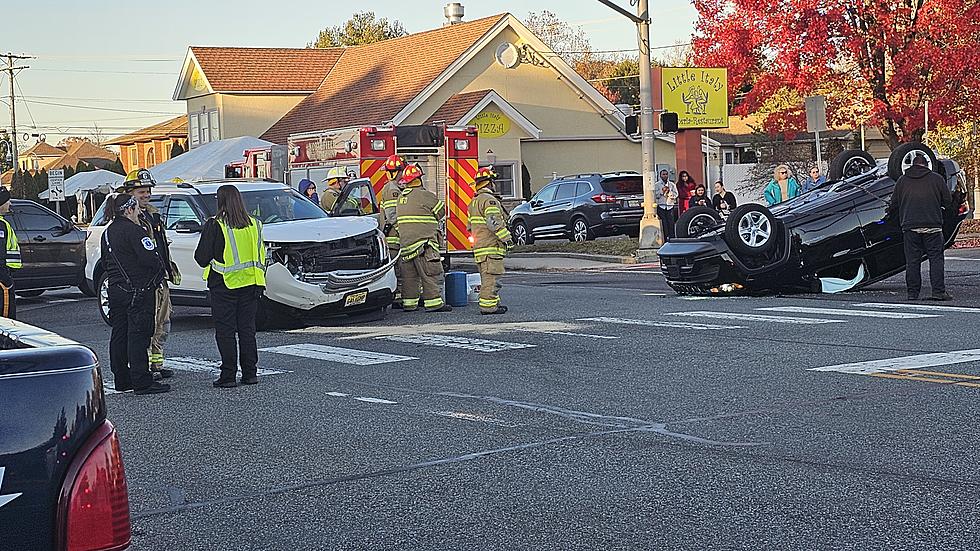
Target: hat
485,176
136,179
4,196
394,163
412,173
336,173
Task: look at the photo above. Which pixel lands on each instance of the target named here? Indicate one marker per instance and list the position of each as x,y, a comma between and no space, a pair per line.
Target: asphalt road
603,412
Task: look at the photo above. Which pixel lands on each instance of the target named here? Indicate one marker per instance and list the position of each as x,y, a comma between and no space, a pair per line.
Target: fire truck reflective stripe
373,170
455,233
462,175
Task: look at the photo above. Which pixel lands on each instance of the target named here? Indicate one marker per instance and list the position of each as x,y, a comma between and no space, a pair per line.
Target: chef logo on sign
696,100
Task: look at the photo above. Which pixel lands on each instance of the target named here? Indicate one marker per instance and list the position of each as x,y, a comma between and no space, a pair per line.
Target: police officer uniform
389,217
135,272
9,260
491,239
419,214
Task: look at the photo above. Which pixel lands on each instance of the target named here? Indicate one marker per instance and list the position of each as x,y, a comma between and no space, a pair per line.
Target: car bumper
613,221
330,291
693,266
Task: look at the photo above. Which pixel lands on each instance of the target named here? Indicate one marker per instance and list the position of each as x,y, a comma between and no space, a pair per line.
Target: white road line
373,400
963,258
336,354
338,394
739,316
200,365
449,341
63,300
569,333
905,362
480,418
654,294
924,307
842,312
661,323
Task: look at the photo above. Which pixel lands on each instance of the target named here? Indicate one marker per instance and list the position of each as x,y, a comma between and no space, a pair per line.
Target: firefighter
135,272
335,180
491,239
390,193
139,184
9,259
419,216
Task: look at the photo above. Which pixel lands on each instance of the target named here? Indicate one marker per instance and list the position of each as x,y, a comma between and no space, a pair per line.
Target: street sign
56,185
698,95
816,114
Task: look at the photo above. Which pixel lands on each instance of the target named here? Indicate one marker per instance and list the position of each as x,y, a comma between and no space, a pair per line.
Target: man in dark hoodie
917,204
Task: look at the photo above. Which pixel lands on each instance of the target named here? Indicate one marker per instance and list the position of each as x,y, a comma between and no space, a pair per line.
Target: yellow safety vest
13,248
243,260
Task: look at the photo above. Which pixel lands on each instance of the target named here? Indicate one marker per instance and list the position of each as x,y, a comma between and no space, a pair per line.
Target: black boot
499,310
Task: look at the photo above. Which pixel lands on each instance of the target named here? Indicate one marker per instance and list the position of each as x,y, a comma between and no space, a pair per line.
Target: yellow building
152,145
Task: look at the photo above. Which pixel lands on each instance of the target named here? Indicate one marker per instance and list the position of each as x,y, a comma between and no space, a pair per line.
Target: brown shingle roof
173,128
265,69
43,149
88,150
372,83
457,106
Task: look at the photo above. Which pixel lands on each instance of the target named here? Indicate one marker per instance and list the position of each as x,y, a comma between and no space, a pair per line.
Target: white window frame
515,178
204,127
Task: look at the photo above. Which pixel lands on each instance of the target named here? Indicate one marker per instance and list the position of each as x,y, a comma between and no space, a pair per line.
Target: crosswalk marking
337,354
843,312
449,341
923,307
373,400
587,335
740,316
904,362
661,323
208,366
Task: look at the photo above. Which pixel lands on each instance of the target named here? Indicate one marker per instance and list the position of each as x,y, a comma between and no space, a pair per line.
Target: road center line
842,312
740,316
904,362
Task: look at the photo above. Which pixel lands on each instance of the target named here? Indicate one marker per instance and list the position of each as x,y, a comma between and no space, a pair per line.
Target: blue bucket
456,288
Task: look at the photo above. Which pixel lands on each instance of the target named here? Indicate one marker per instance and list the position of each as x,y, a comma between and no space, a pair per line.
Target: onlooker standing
232,253
782,187
918,202
9,259
308,189
685,188
699,198
814,180
666,196
724,200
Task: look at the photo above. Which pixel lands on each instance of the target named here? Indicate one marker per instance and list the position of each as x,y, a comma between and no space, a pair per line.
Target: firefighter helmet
137,178
336,173
394,163
412,173
485,176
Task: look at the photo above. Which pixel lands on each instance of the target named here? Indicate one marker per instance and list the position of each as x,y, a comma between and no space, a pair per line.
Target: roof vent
453,13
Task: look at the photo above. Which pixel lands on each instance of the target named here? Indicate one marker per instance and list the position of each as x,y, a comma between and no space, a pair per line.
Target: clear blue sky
125,56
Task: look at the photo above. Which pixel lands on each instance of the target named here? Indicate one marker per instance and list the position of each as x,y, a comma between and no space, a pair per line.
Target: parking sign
56,185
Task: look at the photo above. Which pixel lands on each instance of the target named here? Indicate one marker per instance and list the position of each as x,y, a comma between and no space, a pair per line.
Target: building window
729,158
151,158
194,130
134,159
214,127
505,183
204,127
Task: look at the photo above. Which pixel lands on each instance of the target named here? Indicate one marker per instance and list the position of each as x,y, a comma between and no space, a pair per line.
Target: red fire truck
448,157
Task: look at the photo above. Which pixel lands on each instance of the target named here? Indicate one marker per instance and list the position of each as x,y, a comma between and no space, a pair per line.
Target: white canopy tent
85,182
206,161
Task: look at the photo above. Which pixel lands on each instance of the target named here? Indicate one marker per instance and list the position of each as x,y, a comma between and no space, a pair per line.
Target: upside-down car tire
751,230
849,163
902,156
696,221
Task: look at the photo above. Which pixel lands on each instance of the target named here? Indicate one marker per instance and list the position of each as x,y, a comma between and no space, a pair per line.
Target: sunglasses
783,172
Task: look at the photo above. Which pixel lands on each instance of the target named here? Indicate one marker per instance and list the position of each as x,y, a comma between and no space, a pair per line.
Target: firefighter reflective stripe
424,219
410,303
489,302
439,208
474,219
481,252
433,303
413,250
241,267
12,246
156,359
503,234
392,240
389,204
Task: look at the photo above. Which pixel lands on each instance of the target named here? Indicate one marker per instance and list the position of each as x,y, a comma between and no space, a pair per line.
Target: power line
89,107
27,105
106,72
102,99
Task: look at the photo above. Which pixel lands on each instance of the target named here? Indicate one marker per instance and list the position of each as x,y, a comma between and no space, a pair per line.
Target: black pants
929,245
668,219
132,327
8,300
234,313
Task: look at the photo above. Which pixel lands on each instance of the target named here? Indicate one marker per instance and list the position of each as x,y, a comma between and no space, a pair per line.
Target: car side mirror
187,226
537,203
65,229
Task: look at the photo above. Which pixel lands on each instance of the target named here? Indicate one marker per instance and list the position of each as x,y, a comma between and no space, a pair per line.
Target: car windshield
272,206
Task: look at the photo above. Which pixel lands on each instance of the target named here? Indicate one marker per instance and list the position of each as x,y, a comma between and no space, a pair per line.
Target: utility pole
651,234
12,72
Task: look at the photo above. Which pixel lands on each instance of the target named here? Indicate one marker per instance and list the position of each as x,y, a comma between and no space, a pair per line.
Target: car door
560,213
829,233
884,251
183,242
54,251
357,198
538,220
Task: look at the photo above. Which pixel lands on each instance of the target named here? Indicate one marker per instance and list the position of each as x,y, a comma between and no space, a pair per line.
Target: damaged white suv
317,265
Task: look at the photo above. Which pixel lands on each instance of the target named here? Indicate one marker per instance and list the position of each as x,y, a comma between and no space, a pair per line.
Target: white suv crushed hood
318,229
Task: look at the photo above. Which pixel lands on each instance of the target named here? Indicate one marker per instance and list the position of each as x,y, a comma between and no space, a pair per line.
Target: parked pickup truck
62,482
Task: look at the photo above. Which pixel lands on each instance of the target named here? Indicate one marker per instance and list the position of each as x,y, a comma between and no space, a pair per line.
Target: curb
610,259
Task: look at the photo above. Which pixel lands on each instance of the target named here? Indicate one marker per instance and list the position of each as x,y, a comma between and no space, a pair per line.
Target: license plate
634,204
356,298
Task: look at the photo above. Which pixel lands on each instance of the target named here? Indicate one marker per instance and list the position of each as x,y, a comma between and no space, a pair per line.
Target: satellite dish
507,55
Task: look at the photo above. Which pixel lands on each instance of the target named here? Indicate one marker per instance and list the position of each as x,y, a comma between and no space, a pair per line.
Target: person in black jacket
724,201
699,197
135,272
917,205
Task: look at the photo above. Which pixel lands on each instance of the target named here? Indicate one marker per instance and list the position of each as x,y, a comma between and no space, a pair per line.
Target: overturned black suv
833,238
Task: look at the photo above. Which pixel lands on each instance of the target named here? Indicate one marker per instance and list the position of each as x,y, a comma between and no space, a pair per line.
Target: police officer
9,259
135,273
419,215
232,253
139,184
335,180
390,193
491,239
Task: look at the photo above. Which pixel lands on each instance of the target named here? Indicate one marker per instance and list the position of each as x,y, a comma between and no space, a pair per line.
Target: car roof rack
577,176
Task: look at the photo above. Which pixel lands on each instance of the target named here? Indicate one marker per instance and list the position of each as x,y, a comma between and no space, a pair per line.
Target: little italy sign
698,96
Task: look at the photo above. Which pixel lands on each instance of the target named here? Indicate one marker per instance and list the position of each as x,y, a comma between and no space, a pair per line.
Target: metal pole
651,234
863,147
925,135
819,153
13,115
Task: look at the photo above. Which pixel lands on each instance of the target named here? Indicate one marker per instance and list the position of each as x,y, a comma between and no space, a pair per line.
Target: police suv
317,264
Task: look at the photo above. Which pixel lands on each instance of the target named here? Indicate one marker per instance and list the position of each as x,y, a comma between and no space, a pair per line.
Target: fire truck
448,156
263,162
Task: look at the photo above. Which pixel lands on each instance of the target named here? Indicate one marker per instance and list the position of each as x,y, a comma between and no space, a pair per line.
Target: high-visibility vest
13,248
243,260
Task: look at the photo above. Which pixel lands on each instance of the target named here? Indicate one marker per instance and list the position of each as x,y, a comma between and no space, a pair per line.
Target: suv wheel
103,289
521,234
580,231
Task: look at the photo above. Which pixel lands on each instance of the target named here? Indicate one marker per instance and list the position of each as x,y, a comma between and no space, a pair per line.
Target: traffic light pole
651,234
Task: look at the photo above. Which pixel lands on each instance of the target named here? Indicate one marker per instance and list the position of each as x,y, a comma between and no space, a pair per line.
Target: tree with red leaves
877,61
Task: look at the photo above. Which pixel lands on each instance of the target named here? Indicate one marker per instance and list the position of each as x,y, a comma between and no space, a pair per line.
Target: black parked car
52,248
581,207
832,238
62,481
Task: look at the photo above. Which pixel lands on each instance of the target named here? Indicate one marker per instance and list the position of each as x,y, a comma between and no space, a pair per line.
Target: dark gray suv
581,207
